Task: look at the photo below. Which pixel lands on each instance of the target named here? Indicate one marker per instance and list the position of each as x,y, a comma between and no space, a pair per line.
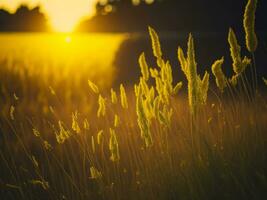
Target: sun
68,39
65,15
64,21
63,26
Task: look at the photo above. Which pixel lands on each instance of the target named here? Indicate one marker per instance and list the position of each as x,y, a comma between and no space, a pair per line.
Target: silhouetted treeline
172,15
163,15
24,19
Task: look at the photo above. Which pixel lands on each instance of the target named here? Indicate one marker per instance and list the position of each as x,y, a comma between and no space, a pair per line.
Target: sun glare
65,16
63,25
68,39
64,22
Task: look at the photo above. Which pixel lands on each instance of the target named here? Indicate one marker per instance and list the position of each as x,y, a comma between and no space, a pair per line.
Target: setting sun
63,16
62,24
68,39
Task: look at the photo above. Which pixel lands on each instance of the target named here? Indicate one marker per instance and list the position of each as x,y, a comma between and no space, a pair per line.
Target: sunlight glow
68,39
63,15
63,25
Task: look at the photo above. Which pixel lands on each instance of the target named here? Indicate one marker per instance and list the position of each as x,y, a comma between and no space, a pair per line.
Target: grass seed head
101,106
249,25
113,146
93,87
155,43
124,101
114,98
220,78
75,125
144,67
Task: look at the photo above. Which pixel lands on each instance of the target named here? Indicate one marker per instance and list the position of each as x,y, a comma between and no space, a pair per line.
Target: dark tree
24,19
172,15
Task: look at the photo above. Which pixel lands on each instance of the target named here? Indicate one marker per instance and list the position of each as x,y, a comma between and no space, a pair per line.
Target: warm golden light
63,15
68,39
63,25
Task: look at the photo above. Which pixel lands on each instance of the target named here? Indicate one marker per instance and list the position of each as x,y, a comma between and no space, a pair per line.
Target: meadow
65,133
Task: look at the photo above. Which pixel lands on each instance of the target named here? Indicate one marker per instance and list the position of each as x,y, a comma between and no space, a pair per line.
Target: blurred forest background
208,20
136,15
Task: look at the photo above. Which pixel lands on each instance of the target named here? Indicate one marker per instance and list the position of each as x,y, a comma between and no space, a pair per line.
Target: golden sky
63,14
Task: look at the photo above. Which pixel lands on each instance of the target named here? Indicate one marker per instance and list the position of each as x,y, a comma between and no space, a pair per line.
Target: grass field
63,136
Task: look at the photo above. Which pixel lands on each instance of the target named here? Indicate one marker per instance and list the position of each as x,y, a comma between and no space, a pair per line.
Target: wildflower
264,80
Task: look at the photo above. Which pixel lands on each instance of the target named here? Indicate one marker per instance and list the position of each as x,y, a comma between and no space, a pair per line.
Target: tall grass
146,141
